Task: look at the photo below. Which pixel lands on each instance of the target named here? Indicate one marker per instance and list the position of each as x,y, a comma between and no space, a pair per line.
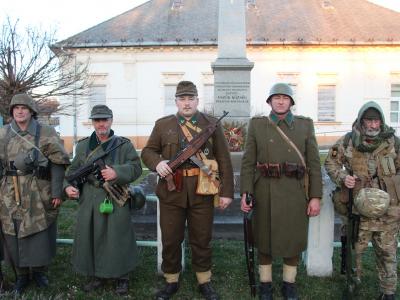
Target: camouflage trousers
385,247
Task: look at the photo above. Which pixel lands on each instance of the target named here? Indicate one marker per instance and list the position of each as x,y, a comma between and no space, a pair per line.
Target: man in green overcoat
281,168
105,243
187,204
33,161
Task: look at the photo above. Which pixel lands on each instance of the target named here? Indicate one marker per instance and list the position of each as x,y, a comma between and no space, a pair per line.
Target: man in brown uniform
279,150
177,208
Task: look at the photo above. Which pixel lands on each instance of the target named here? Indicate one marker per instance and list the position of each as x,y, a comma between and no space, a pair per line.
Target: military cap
186,88
24,99
101,111
281,89
372,114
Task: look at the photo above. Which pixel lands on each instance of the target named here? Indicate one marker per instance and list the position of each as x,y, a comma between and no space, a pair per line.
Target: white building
337,54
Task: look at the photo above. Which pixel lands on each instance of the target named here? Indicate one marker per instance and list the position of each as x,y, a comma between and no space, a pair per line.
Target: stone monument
232,68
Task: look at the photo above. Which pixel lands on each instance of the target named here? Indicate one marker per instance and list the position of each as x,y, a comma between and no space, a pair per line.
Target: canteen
106,207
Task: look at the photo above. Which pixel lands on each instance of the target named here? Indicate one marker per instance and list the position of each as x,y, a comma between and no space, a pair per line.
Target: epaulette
82,139
124,138
303,117
258,117
165,117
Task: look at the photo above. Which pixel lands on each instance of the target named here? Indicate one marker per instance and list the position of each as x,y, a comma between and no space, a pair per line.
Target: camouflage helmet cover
23,99
281,89
372,202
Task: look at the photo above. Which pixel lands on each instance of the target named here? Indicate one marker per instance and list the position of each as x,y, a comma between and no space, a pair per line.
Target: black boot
167,291
289,291
122,286
94,284
386,297
21,284
265,291
41,279
208,291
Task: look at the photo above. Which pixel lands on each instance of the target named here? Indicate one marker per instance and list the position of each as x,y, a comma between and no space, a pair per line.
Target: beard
371,132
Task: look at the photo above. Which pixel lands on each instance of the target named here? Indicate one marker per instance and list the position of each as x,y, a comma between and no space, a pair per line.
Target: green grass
229,278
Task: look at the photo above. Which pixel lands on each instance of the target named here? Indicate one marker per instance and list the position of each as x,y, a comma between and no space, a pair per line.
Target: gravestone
232,68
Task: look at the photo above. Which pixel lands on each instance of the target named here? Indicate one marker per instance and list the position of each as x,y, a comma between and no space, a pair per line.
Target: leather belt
191,172
17,173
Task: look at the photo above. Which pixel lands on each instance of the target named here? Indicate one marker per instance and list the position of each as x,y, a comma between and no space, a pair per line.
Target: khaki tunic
105,245
280,214
178,207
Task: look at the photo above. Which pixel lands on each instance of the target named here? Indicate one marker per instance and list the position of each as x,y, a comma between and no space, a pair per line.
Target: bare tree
28,64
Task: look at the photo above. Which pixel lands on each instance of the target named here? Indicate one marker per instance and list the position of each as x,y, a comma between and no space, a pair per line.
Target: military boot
386,297
265,291
122,286
208,291
94,284
167,291
21,284
41,279
289,291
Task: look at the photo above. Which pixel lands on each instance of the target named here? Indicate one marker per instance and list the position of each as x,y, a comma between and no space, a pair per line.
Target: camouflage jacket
374,169
35,210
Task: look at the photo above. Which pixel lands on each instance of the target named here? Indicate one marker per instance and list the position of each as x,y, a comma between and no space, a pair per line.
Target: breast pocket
170,145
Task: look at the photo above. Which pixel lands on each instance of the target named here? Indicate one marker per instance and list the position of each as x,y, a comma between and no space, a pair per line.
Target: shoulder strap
6,142
189,137
36,151
289,141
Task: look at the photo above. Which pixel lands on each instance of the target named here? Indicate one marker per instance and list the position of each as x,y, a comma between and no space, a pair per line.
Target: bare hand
243,205
314,207
224,202
108,173
350,181
72,192
56,202
163,169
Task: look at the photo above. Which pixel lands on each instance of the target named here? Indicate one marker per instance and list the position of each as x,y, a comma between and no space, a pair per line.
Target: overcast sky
73,16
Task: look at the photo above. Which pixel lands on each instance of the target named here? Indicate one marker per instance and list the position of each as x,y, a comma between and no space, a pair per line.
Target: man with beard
105,241
187,204
281,168
371,153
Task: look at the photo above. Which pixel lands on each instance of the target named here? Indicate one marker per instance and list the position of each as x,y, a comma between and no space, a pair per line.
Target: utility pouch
339,203
263,168
387,164
274,170
178,180
208,184
290,169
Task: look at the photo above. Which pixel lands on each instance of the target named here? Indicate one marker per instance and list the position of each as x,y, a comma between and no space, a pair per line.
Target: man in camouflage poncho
33,161
371,151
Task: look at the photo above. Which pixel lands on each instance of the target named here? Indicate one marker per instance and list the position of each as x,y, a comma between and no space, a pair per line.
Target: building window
97,95
169,97
395,103
326,102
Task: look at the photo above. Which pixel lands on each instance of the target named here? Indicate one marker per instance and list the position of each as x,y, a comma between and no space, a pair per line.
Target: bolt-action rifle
191,149
249,244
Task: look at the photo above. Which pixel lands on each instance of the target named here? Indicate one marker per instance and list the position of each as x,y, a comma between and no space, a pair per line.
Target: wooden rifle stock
191,149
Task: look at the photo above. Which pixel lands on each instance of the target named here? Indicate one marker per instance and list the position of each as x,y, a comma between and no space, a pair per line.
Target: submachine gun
347,255
249,244
120,194
190,150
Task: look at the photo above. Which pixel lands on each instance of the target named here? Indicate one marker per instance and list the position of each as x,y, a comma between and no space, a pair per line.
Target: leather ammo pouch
294,170
208,184
178,179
